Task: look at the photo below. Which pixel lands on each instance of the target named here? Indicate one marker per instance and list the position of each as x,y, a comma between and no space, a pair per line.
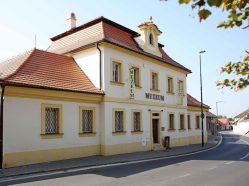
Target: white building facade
137,96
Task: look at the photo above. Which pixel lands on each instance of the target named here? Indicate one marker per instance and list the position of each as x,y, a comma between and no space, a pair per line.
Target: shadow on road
231,149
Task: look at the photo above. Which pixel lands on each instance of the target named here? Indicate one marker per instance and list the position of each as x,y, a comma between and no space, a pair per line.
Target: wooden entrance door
155,130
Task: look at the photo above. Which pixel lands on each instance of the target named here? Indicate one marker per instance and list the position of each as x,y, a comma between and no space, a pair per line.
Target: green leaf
216,3
184,1
203,14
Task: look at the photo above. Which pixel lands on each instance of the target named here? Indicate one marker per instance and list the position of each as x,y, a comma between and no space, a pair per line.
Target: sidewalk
104,160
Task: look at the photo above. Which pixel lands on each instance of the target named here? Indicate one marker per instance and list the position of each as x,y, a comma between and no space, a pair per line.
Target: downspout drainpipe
1,125
100,66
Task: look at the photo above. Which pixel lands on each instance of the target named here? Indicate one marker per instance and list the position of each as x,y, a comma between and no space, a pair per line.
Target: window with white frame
154,81
136,76
170,85
180,92
171,121
182,125
116,72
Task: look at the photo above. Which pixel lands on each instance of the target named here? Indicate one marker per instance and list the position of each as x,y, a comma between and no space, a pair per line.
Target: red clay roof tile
194,102
111,32
49,70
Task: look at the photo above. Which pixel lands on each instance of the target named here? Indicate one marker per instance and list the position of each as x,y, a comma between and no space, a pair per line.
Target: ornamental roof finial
150,19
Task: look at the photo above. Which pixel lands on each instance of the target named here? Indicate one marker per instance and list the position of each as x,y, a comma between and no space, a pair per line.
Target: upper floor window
154,81
151,39
170,85
136,76
180,92
116,72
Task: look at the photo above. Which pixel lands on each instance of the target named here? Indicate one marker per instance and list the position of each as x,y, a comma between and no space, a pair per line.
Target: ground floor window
182,124
87,120
136,121
51,119
189,123
118,120
171,121
197,120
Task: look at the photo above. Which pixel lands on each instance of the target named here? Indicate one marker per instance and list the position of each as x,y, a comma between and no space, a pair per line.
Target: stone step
158,147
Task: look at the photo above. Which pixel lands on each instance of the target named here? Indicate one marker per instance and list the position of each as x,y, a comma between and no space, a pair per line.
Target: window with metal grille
87,121
116,72
51,120
136,121
197,120
171,121
154,81
189,124
182,121
119,121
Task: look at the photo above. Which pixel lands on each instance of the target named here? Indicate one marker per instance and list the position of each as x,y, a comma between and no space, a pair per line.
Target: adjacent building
99,89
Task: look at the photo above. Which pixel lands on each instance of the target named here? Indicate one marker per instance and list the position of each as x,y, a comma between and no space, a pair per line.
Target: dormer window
151,39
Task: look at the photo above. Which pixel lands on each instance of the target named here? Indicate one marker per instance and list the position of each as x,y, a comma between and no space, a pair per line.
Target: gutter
1,124
100,66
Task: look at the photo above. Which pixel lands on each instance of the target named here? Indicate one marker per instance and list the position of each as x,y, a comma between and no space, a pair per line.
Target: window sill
189,128
154,90
138,87
137,132
181,129
197,128
171,130
170,93
117,83
119,133
51,136
87,134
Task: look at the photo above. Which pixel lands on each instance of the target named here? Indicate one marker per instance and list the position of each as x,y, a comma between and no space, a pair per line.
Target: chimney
71,21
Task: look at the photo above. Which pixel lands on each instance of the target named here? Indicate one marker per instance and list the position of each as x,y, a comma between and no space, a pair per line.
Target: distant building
224,123
242,116
211,123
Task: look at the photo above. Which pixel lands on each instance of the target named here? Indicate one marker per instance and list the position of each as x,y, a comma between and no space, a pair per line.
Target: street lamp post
202,114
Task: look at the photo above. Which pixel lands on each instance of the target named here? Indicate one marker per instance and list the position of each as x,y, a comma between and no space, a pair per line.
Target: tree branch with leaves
238,16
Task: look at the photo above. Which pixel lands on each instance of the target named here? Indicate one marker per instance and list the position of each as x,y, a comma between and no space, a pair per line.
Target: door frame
154,114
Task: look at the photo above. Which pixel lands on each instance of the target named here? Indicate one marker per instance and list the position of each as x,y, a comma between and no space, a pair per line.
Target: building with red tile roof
99,89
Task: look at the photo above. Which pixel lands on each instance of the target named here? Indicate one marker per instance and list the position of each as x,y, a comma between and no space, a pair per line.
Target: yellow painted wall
31,157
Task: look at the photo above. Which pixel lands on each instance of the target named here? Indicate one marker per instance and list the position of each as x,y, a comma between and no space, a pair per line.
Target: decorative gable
148,39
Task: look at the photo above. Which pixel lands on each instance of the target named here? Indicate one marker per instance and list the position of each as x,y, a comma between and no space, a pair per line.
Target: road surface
226,165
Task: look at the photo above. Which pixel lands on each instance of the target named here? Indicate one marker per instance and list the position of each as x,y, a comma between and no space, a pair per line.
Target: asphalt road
226,165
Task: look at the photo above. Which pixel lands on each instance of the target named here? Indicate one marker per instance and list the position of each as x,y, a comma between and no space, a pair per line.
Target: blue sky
183,36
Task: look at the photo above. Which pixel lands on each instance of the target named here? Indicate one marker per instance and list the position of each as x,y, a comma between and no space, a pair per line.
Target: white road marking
244,157
35,175
211,168
229,162
185,175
